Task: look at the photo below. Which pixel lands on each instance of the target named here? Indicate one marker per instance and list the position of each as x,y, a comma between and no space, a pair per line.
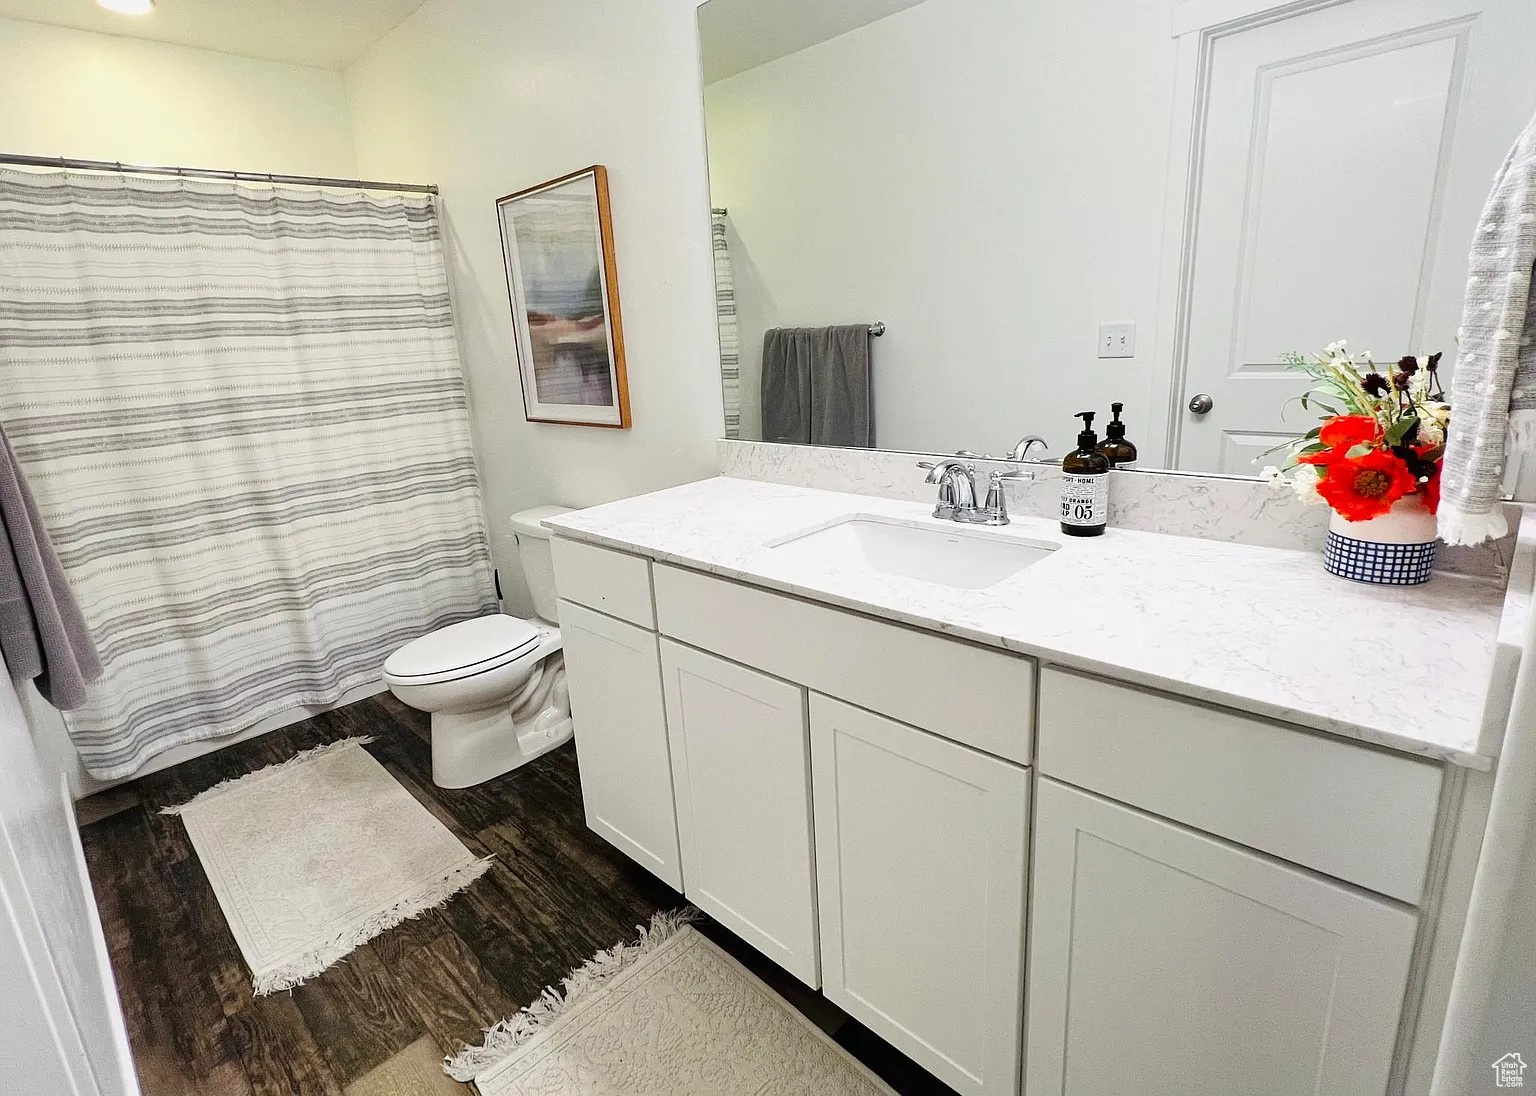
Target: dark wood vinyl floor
556,894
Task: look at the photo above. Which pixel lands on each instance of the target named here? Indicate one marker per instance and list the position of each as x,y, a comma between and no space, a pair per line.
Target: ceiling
323,33
736,35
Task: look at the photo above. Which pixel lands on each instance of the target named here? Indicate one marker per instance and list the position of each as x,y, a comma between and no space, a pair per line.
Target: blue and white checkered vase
1395,549
1384,564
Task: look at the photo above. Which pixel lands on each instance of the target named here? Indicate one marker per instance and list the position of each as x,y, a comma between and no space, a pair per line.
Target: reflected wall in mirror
1006,184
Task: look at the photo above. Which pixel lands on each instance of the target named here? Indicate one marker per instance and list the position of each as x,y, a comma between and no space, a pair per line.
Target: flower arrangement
1382,439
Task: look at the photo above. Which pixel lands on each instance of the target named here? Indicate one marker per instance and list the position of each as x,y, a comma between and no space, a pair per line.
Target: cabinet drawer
1353,812
974,695
611,582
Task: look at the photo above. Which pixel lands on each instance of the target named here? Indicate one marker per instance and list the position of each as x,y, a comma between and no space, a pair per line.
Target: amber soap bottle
1120,452
1085,485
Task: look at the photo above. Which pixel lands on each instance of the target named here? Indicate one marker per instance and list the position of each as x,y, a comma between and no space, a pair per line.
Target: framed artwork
557,241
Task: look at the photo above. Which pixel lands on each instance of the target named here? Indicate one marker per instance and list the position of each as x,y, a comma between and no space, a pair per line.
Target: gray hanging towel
42,632
1493,391
816,385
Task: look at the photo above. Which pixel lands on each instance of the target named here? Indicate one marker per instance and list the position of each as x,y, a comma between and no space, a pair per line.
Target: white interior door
61,1029
1341,158
1167,963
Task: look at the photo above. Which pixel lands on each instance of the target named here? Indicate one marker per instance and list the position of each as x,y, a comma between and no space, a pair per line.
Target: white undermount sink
960,557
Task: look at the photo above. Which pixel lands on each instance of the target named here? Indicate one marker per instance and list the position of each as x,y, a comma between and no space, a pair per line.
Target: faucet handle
995,512
937,468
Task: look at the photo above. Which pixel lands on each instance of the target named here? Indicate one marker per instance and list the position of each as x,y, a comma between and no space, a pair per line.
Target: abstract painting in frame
557,240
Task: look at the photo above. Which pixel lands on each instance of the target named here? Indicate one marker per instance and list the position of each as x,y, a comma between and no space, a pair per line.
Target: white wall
63,1030
948,170
101,97
485,97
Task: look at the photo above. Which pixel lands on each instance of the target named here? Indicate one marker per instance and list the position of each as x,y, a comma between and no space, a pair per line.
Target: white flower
1334,349
1418,388
1305,484
1274,477
1430,431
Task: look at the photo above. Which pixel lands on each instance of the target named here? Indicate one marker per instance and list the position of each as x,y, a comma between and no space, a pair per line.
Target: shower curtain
242,413
730,338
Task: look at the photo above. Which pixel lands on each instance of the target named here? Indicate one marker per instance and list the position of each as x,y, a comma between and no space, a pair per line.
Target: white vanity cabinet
921,857
741,770
614,675
1165,962
1217,902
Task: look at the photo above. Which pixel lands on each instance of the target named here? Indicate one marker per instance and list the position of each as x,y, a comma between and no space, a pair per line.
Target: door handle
1201,404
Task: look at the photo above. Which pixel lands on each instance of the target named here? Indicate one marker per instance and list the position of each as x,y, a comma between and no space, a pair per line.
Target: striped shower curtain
730,335
242,413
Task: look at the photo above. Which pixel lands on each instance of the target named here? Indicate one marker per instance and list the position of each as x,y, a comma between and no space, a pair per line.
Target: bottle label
1085,499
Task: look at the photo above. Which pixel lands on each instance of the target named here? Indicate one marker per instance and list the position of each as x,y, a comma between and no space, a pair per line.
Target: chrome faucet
1026,443
957,490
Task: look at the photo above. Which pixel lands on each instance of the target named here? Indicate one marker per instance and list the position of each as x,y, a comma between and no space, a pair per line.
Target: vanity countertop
1264,630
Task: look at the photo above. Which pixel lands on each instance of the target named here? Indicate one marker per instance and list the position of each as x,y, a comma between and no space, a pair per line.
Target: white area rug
672,1015
320,854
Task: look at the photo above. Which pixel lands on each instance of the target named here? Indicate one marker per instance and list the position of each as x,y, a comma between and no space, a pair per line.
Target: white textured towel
1493,394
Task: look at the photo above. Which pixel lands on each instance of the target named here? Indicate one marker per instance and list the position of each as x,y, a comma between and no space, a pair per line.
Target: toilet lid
472,646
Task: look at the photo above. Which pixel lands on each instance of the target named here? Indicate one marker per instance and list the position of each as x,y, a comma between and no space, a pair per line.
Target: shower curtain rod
68,163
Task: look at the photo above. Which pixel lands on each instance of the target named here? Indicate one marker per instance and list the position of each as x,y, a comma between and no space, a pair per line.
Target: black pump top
1115,428
1087,440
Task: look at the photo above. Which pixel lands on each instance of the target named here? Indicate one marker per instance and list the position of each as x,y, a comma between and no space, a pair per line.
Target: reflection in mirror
1052,205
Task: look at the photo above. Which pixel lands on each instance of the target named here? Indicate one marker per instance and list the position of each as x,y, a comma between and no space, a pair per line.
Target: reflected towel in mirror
816,386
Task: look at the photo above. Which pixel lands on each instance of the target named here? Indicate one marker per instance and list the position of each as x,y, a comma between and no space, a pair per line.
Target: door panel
742,769
614,675
1165,962
921,862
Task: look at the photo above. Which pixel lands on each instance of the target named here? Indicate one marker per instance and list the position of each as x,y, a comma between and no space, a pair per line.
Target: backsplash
1185,504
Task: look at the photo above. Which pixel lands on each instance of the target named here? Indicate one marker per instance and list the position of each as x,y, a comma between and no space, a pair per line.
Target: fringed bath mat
667,1016
320,854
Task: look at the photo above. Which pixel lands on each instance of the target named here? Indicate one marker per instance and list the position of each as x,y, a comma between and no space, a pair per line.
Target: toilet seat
462,650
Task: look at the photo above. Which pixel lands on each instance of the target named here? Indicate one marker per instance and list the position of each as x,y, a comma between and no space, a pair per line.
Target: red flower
1344,431
1431,490
1367,487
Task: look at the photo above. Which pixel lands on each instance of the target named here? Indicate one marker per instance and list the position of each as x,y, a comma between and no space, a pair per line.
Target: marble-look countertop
1263,630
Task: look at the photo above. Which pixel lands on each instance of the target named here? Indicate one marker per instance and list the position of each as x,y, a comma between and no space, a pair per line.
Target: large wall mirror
1050,205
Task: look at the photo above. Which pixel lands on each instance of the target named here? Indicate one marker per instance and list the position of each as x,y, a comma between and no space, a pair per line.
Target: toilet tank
533,548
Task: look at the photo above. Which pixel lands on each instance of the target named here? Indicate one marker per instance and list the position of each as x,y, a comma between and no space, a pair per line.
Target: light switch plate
1117,340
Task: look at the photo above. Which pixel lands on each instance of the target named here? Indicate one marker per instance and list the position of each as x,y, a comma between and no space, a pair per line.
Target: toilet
495,685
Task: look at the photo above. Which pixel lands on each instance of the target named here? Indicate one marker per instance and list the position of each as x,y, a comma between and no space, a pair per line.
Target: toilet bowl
495,685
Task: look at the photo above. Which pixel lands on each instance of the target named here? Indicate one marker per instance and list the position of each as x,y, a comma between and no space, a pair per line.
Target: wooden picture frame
563,288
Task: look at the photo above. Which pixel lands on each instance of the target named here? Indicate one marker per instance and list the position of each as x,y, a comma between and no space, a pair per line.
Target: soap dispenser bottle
1120,452
1085,485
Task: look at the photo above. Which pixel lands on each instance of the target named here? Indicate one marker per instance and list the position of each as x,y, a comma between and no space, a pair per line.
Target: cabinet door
742,769
613,671
920,866
1165,962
